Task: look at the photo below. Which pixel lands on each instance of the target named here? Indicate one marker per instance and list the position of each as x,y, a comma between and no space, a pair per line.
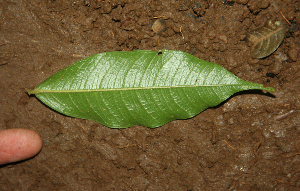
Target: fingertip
34,144
18,144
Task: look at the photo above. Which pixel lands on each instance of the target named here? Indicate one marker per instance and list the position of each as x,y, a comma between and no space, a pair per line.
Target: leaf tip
269,89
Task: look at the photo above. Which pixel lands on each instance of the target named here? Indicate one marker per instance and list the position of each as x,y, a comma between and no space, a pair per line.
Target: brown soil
247,143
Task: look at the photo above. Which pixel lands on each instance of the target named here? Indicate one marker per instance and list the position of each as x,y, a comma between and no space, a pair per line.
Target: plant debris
266,40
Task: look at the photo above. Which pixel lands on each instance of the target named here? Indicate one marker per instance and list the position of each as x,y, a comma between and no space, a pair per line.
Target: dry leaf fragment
266,40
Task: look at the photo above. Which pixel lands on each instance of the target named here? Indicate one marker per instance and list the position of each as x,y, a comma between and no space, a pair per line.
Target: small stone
293,53
159,26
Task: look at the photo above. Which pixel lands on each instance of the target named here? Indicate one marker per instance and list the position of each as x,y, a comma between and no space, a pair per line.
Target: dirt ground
250,142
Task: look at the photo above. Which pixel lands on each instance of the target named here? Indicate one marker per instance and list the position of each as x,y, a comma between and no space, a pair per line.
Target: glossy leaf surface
148,88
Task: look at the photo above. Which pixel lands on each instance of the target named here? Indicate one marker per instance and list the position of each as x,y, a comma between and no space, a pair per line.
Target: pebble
159,26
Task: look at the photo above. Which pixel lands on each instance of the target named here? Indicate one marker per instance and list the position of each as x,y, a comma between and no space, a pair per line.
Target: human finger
18,144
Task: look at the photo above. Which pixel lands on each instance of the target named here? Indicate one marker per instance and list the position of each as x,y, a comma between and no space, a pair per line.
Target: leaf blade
139,88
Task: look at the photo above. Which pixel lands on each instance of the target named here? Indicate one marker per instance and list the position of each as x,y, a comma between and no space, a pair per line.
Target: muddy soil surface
250,142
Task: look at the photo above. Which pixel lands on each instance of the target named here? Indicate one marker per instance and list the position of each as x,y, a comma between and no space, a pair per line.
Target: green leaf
148,88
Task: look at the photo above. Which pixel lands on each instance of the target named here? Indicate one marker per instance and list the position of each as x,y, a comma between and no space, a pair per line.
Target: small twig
180,30
279,180
78,55
284,17
159,17
134,145
113,34
229,145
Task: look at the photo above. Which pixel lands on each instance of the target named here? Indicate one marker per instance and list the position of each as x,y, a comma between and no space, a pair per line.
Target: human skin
18,144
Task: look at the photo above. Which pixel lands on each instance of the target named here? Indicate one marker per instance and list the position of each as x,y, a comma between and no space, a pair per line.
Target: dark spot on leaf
159,53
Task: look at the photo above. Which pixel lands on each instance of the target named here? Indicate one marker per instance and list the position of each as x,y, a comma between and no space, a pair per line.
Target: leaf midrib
38,91
269,35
